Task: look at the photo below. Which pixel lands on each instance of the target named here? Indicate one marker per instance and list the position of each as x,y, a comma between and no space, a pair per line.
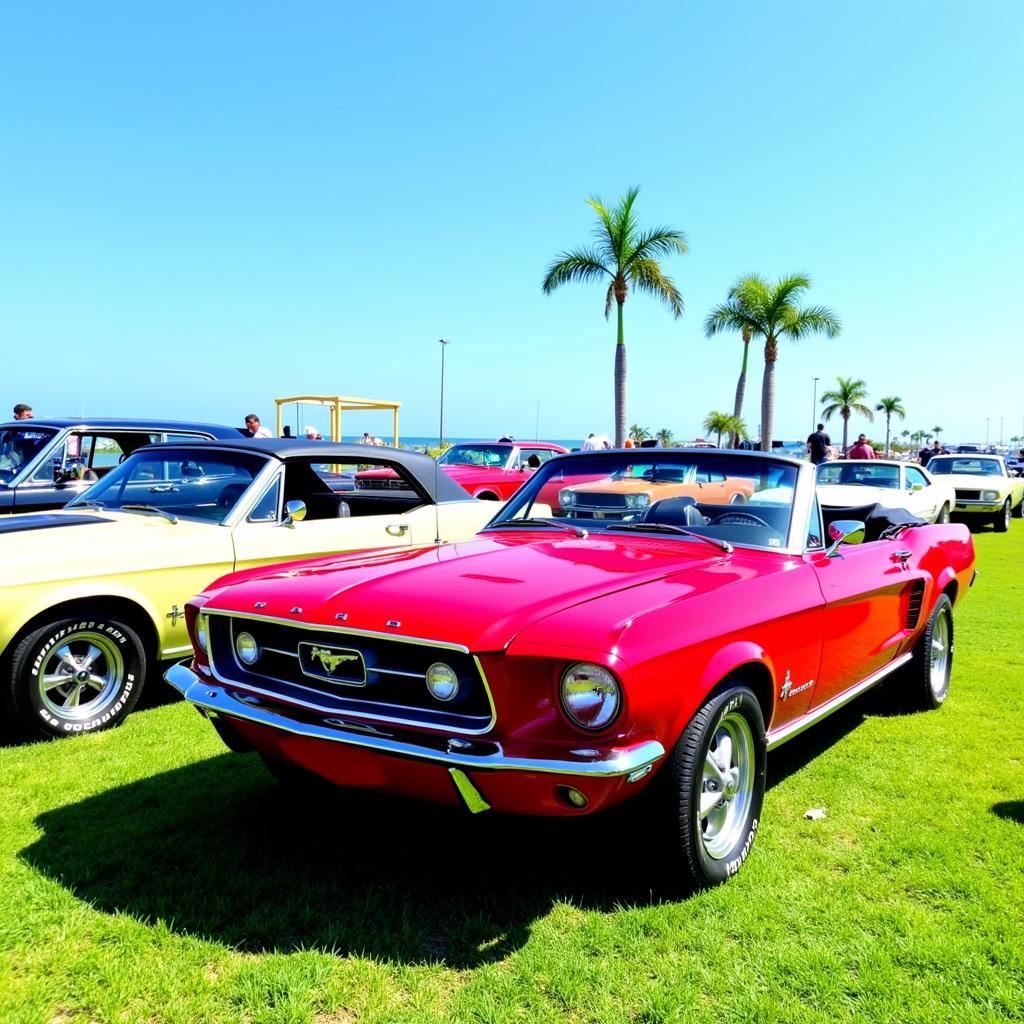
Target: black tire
923,684
943,516
104,662
1001,522
1018,512
713,851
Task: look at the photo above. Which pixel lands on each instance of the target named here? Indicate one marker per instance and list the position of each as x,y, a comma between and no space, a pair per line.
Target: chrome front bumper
214,699
971,505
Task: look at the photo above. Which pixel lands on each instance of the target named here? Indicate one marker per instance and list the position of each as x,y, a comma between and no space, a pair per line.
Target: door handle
397,529
903,556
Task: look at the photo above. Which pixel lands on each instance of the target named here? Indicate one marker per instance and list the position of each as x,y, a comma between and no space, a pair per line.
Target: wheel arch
486,494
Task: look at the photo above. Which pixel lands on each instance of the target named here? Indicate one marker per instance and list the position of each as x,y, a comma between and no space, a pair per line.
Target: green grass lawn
148,875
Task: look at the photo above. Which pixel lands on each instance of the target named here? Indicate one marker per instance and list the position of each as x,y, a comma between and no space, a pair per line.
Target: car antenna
444,343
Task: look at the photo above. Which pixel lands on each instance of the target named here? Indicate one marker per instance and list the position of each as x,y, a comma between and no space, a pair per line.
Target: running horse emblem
329,659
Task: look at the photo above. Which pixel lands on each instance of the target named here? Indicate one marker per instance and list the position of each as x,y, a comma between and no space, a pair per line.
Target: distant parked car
490,470
890,483
985,491
91,596
45,463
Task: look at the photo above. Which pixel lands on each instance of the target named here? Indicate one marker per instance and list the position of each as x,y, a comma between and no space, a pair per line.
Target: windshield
864,474
494,455
965,467
18,447
725,496
190,483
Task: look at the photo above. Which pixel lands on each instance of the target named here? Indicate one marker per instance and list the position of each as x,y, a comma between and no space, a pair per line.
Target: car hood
480,593
460,473
62,545
968,481
846,495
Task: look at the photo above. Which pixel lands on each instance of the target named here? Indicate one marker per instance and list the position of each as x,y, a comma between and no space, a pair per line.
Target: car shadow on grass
220,850
1011,810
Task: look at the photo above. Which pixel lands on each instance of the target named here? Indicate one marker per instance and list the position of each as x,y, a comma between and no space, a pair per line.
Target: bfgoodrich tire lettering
717,776
77,675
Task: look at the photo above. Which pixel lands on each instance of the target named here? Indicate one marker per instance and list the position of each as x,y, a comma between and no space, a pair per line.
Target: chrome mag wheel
80,677
727,786
941,648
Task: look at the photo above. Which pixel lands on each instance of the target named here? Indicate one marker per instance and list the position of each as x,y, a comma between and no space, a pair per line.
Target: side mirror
917,487
844,531
294,512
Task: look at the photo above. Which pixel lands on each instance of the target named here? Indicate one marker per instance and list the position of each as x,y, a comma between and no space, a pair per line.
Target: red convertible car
557,667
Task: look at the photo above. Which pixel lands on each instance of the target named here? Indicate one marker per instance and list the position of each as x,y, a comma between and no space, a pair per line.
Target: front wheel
75,675
1002,519
943,516
717,778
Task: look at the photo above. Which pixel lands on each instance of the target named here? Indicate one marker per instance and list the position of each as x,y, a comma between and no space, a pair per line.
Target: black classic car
45,463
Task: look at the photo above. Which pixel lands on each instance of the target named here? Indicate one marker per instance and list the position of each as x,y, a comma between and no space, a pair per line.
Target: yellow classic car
92,596
985,491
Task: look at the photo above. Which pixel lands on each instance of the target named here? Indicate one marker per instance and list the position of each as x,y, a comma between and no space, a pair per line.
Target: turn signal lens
203,633
590,695
442,682
247,649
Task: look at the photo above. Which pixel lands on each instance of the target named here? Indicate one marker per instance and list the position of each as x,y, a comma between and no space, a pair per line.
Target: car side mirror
294,512
917,487
844,531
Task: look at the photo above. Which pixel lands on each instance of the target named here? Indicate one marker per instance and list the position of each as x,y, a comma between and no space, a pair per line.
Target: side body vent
915,598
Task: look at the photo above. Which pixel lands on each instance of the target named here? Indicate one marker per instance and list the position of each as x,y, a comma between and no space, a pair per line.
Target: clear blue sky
203,205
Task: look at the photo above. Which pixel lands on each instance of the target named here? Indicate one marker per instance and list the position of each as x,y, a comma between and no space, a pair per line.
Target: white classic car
893,484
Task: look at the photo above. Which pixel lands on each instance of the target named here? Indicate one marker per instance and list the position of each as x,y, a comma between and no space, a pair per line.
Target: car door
921,495
866,591
266,533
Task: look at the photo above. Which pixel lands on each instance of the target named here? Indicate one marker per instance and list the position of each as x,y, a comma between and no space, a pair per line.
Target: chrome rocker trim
216,700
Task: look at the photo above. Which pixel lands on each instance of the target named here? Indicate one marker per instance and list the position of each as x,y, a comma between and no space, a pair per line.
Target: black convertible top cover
879,522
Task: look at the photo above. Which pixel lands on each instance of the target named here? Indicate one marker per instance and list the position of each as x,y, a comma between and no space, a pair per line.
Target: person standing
926,454
23,412
253,427
818,445
861,450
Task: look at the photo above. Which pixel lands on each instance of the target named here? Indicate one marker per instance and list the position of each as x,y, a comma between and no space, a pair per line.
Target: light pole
444,343
814,407
1000,429
986,429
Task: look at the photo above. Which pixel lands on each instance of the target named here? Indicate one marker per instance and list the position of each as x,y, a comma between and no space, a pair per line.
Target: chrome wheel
81,676
727,786
940,640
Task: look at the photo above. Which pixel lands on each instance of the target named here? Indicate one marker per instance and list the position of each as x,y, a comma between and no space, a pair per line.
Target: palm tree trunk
620,386
741,387
767,403
887,436
846,427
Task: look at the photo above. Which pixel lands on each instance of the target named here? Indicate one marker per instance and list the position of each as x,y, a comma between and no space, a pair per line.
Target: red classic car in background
558,666
491,470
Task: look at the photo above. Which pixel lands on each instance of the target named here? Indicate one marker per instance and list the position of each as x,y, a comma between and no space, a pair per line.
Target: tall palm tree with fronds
664,437
722,423
629,256
639,433
847,399
891,407
770,310
936,431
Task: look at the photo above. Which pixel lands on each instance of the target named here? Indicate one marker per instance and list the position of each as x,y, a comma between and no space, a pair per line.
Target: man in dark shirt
925,454
817,445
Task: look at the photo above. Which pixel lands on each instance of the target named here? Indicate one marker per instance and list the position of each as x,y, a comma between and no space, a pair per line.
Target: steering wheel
736,518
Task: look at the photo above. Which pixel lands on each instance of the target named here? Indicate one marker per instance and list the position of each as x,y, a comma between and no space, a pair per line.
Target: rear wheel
1002,519
75,675
924,682
1018,512
717,775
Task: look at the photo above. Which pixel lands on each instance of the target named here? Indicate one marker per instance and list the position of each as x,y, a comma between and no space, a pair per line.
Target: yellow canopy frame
337,404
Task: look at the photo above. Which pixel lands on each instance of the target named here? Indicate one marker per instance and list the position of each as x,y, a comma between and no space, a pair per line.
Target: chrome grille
967,495
345,672
590,500
381,483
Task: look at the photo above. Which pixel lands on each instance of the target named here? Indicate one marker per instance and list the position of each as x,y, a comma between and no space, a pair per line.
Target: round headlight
590,695
638,500
247,649
203,633
566,497
442,682
989,495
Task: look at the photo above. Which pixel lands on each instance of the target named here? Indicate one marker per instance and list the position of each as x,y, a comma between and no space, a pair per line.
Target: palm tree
639,433
936,431
769,310
847,399
891,407
629,256
917,436
664,437
722,423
